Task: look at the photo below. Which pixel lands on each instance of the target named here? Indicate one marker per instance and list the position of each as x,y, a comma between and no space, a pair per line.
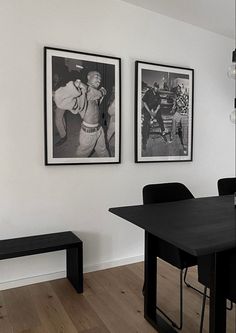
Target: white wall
38,199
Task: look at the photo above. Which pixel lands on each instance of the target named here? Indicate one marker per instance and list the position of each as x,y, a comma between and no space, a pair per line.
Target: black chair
226,186
167,192
204,272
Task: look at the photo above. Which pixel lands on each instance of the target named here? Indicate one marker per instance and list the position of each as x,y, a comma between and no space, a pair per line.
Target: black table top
197,226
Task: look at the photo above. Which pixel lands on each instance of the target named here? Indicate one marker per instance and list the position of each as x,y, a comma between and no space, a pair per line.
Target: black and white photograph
82,107
163,112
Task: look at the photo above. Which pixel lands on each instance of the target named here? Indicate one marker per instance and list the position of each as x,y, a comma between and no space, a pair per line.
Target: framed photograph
163,112
82,107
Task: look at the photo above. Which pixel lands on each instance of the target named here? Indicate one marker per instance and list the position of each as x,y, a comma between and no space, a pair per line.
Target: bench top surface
14,247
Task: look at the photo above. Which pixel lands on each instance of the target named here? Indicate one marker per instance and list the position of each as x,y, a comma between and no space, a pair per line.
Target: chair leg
180,325
191,286
204,305
203,308
143,290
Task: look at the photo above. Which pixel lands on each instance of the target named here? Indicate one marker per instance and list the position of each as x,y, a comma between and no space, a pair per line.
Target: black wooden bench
25,246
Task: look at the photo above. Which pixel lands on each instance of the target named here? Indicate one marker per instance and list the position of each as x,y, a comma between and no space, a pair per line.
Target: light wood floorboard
112,302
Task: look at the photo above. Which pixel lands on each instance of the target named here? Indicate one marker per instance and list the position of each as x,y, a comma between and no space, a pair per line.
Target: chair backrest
165,192
226,186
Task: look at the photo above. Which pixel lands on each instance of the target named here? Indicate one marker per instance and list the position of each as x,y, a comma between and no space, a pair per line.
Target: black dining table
202,226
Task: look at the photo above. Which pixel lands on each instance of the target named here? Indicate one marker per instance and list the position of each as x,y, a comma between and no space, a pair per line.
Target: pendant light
232,69
232,75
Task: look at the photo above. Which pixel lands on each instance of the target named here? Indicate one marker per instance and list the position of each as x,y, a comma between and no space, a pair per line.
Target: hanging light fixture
232,69
232,75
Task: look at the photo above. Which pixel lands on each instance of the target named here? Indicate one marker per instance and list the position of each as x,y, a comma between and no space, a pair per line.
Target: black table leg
151,287
217,299
74,264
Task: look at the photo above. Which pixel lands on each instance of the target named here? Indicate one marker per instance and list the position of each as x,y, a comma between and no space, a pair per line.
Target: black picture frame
72,125
165,134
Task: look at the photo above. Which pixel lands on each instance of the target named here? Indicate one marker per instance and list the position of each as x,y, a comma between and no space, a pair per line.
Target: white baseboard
31,280
62,274
113,263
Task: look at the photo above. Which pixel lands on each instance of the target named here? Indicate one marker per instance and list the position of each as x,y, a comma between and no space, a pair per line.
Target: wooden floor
112,302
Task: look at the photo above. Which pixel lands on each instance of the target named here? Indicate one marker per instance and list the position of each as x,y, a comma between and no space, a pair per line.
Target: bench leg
74,267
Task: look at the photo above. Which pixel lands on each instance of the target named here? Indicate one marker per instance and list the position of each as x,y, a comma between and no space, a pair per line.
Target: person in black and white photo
151,113
92,135
65,71
179,111
85,99
111,122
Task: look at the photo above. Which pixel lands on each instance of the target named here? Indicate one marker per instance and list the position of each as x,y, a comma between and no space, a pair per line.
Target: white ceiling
214,15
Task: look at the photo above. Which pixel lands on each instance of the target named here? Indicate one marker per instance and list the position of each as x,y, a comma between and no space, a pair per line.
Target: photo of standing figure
151,113
92,135
180,112
82,112
164,113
